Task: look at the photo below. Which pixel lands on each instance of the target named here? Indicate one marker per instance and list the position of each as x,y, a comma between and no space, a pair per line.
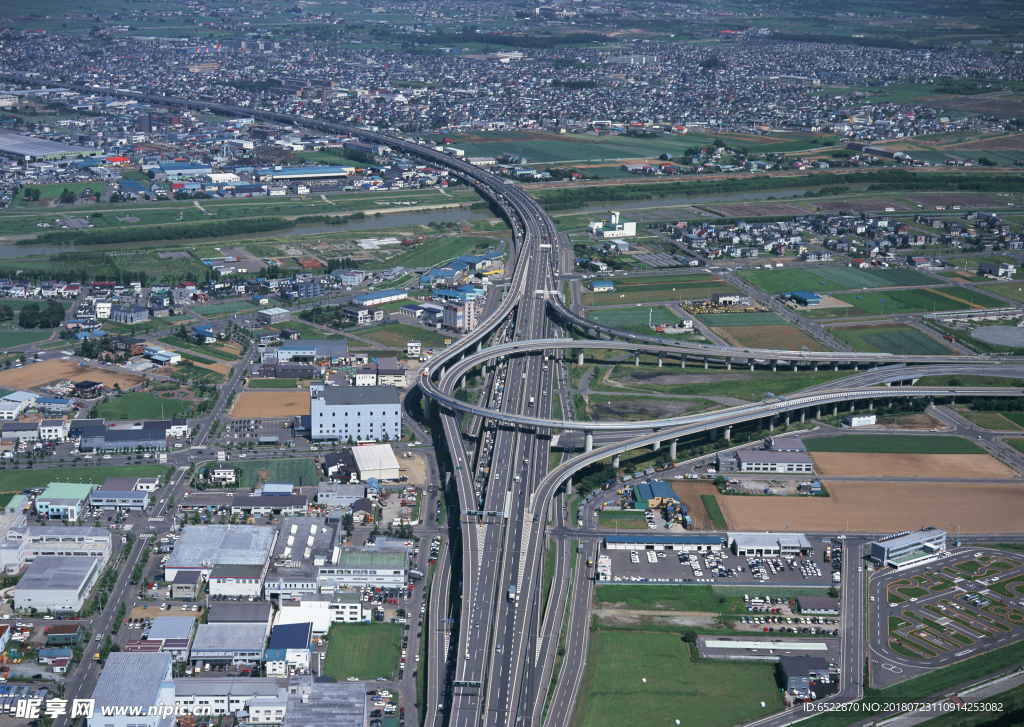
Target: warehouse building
684,543
27,148
905,550
288,650
57,583
339,496
133,680
229,643
203,547
23,543
818,605
760,460
376,461
272,315
358,568
304,546
323,704
379,297
229,695
360,413
311,351
769,544
174,633
784,444
260,612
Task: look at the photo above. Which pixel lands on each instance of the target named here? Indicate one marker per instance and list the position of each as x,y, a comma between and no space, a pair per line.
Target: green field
658,289
736,320
831,278
10,339
627,520
910,301
279,470
12,481
214,349
137,405
272,383
892,444
364,651
17,305
645,597
219,309
705,693
710,503
890,338
398,334
634,318
1008,290
741,384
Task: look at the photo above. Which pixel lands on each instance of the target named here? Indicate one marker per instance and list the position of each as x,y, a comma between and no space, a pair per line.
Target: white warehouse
359,413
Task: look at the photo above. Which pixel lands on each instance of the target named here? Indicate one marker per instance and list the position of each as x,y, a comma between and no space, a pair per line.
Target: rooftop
911,539
359,395
642,537
131,679
66,491
328,705
374,456
56,572
223,545
230,637
371,559
172,627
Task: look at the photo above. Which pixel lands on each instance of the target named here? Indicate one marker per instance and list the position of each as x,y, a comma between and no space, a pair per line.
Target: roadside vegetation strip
187,231
903,650
550,556
1009,587
714,512
563,631
892,444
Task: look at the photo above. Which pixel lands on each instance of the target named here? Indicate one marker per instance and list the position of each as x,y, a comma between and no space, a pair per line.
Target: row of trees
162,232
32,317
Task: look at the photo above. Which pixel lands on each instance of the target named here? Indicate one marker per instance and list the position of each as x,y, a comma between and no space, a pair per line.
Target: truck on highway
531,401
511,593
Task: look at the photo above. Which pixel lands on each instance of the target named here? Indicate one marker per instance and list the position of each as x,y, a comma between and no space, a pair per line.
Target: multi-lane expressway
500,646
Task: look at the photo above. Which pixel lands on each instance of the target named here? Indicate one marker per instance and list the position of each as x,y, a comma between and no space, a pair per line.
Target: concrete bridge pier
579,358
803,415
636,358
775,366
568,484
705,363
682,361
462,382
795,366
656,447
615,461
728,364
479,346
871,404
727,433
444,370
426,407
890,403
817,412
589,443
771,423
835,410
931,401
852,405
815,365
835,365
713,435
661,359
751,365
856,366
787,418
672,448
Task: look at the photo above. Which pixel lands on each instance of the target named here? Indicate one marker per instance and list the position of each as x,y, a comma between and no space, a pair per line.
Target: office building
769,544
905,550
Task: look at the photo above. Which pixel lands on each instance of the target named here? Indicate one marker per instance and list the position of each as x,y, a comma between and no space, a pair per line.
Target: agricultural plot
966,466
137,405
831,279
737,320
888,444
270,404
686,288
974,200
917,300
11,339
629,319
860,205
398,334
757,209
890,338
784,337
435,251
44,372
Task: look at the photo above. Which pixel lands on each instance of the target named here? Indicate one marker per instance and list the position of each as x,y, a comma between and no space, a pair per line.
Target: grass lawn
710,694
1009,705
714,512
398,334
210,350
308,331
137,405
889,338
10,339
634,320
628,520
741,384
669,598
364,651
219,309
272,383
280,470
889,444
643,290
20,479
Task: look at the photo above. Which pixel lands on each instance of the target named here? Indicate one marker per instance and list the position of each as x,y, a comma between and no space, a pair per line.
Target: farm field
967,466
272,383
741,384
715,694
889,444
628,520
136,405
910,301
217,350
10,339
278,470
634,320
909,505
785,336
737,320
364,651
1007,290
219,309
757,209
270,404
32,375
831,278
397,334
894,338
687,287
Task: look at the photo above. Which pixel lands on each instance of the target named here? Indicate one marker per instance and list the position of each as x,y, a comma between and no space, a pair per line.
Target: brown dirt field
860,205
966,466
763,209
689,492
961,199
36,374
218,367
270,404
913,421
785,337
887,506
976,105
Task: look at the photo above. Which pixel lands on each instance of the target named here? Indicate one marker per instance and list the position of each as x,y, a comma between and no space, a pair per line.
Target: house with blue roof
454,296
205,334
803,297
174,170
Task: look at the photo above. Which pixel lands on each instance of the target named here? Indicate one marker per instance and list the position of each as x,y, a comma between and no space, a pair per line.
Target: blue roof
806,295
602,284
291,636
664,539
656,489
48,400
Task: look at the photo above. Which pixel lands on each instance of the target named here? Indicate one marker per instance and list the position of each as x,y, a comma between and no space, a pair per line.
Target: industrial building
63,500
203,547
304,546
311,351
784,444
229,643
133,680
27,148
799,671
269,316
818,605
376,461
57,583
379,297
230,695
174,633
260,612
288,650
117,499
358,568
769,544
322,704
905,550
685,543
360,413
762,460
23,543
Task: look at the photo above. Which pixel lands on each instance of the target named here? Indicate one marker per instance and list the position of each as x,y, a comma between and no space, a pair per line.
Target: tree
67,196
348,523
833,592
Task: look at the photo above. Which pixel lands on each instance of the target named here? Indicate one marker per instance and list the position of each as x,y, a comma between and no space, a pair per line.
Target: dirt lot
415,468
922,422
36,374
632,617
967,466
860,205
757,209
689,492
621,407
270,404
960,199
888,507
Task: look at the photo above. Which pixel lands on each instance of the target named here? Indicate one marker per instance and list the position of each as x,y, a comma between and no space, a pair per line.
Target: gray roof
118,484
360,395
230,637
223,545
911,539
239,612
131,678
769,540
172,627
135,435
27,146
330,705
57,572
818,603
226,686
761,455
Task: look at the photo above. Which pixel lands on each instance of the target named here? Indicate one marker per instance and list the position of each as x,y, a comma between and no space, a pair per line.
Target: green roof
371,559
67,491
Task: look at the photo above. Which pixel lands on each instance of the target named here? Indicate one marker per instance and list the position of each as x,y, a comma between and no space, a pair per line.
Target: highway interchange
492,664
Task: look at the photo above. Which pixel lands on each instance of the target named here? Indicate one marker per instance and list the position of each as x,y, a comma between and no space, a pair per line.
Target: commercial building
363,413
288,650
263,506
377,461
761,460
311,351
229,695
57,583
23,543
818,605
685,543
322,704
358,568
236,580
117,499
905,550
272,315
63,500
229,643
799,671
769,544
347,607
133,680
203,547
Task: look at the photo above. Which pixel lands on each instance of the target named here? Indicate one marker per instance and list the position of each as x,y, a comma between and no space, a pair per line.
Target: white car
352,679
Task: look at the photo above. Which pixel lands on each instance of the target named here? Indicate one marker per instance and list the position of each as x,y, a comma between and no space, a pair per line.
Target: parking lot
969,601
723,568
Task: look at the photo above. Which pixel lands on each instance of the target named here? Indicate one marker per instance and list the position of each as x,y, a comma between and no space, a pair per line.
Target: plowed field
32,375
888,507
270,404
967,466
